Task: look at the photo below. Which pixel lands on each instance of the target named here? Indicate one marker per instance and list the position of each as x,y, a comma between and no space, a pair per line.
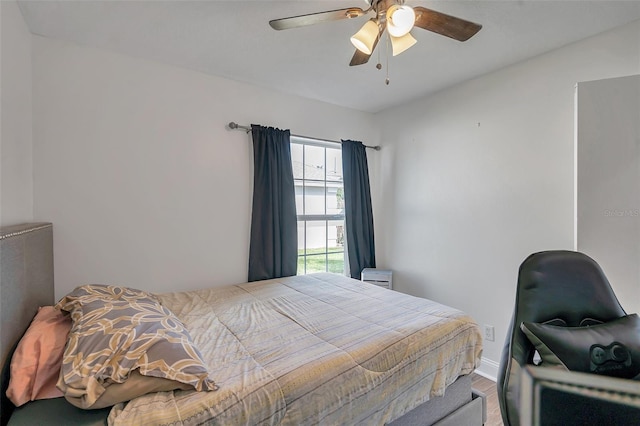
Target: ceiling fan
393,16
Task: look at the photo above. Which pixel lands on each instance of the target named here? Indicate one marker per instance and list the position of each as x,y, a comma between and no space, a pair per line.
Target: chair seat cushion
611,348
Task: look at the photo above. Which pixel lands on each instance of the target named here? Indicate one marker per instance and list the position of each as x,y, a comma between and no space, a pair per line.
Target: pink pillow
35,365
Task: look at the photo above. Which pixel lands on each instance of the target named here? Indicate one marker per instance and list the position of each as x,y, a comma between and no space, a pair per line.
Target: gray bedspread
314,349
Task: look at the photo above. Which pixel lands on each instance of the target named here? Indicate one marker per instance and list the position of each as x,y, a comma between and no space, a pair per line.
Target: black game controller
606,358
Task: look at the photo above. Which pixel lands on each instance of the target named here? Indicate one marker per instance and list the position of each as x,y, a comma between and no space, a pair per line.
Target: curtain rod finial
233,125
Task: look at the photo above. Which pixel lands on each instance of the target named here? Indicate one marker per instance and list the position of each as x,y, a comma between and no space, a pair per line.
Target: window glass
297,160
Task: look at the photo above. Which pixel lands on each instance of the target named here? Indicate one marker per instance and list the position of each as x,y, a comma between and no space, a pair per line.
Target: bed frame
26,283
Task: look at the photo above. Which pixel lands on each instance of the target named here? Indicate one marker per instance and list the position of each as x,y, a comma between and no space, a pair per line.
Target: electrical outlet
489,333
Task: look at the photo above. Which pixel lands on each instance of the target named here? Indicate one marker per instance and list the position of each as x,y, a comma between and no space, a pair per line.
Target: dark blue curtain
358,211
273,251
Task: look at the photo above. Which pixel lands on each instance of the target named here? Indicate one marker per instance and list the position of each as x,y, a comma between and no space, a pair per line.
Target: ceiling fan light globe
400,20
360,46
364,40
400,44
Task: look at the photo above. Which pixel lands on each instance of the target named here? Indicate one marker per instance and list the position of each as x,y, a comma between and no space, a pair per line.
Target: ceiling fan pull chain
379,64
386,51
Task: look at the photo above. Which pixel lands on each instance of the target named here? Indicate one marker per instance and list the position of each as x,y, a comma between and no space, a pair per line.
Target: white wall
135,168
16,172
608,199
479,176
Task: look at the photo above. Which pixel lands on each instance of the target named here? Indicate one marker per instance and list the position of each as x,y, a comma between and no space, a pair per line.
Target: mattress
312,349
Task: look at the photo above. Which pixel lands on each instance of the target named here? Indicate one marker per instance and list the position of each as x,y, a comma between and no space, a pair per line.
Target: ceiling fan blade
446,25
314,18
360,58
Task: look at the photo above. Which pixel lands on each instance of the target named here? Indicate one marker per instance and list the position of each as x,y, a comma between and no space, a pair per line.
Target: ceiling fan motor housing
383,5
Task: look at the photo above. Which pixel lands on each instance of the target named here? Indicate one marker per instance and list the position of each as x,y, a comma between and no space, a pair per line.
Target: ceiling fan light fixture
365,39
400,44
400,20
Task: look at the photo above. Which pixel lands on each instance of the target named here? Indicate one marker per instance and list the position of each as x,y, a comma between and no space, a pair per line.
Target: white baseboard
488,369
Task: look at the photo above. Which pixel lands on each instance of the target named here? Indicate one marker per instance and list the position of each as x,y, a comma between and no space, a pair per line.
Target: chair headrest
564,285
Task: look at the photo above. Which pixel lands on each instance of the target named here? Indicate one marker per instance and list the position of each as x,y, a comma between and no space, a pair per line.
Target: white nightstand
379,277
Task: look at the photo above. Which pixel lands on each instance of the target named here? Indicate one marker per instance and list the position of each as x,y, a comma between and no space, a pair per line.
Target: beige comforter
314,349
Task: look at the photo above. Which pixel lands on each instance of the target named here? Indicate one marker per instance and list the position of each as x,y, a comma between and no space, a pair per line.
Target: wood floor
488,387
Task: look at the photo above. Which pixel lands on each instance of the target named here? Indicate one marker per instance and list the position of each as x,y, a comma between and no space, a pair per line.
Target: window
317,173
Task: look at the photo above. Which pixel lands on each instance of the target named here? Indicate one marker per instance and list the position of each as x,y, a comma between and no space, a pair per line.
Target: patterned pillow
117,330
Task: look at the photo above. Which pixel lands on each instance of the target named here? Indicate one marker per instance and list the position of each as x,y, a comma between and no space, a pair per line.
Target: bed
315,349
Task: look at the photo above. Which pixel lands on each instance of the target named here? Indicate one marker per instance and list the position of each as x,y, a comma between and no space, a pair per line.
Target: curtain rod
235,126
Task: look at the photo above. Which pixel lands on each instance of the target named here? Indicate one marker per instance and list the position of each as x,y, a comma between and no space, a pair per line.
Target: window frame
326,218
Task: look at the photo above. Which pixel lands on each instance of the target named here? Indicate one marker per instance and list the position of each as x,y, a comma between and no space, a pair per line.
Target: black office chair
562,287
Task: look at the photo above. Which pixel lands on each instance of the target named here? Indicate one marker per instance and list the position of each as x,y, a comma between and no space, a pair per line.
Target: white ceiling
232,39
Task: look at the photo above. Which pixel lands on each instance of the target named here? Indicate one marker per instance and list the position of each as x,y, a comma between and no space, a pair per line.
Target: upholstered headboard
26,283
